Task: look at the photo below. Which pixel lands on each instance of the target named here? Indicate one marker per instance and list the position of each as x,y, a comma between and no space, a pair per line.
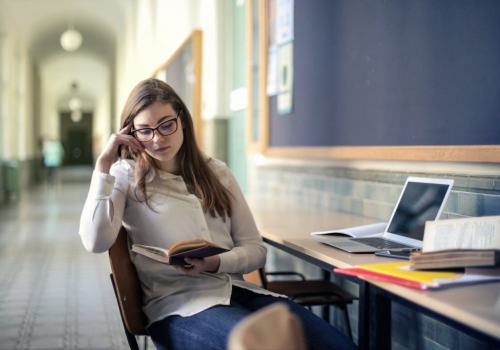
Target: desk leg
326,309
363,315
374,328
380,319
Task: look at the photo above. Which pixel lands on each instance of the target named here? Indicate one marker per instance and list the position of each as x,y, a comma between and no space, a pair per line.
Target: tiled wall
373,194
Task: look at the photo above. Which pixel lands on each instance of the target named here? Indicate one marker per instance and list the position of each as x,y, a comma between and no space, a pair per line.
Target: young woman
165,190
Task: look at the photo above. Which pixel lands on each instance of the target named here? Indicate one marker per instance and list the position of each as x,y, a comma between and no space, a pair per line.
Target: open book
402,274
464,242
190,248
357,231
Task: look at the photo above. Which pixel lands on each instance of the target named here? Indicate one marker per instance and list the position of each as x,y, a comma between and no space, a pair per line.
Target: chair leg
145,343
131,339
326,313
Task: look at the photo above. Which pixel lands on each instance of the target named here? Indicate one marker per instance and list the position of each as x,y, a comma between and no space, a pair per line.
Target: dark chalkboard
393,73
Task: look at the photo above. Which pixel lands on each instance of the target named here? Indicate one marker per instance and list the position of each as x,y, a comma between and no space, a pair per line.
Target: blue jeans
210,328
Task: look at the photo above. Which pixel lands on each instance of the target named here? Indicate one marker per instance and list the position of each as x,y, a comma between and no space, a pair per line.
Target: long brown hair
194,168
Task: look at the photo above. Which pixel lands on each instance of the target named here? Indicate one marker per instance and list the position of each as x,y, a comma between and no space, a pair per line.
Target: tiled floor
53,293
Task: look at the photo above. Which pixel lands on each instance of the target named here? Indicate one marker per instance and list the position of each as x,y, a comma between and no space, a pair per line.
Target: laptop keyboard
381,243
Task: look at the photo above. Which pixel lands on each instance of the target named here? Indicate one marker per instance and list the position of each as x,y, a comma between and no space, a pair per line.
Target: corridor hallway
53,293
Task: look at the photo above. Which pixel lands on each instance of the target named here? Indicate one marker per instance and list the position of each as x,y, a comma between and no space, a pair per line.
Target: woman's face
163,149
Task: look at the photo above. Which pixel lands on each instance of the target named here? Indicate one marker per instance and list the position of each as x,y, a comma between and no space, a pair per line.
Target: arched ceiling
39,24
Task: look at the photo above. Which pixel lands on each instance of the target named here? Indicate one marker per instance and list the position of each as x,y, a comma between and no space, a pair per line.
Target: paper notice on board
284,21
285,78
272,72
468,233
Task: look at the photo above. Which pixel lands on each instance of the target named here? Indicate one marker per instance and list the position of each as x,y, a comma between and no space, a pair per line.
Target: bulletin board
393,80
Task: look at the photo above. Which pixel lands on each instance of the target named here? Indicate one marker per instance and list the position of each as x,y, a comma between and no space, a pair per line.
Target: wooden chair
310,293
128,291
273,327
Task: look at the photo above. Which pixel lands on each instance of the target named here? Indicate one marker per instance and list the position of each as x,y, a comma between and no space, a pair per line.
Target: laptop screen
420,202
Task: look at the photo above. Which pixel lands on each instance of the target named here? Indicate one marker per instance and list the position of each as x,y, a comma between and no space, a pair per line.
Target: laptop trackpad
347,245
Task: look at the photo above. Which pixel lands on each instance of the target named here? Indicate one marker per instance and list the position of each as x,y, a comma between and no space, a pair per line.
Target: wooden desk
474,310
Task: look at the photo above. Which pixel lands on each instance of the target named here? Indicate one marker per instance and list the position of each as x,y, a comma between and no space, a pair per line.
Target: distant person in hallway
53,153
164,189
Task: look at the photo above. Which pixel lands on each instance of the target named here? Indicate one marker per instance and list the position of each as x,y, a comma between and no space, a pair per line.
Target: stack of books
454,252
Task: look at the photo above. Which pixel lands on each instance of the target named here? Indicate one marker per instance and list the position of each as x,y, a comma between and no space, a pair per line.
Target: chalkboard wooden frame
257,109
194,42
448,153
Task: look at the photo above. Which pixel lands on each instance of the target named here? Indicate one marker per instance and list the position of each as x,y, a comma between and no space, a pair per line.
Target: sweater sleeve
102,213
249,252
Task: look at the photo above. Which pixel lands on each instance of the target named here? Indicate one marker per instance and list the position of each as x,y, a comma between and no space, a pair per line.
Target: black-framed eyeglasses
165,128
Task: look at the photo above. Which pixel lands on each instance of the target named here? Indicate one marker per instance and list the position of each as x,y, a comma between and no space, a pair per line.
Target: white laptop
421,200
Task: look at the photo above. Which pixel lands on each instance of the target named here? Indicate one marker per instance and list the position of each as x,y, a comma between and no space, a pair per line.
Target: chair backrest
273,327
263,277
253,277
127,286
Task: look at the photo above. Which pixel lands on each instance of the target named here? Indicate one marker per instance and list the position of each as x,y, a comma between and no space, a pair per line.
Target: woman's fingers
109,154
192,267
118,140
122,138
126,129
130,141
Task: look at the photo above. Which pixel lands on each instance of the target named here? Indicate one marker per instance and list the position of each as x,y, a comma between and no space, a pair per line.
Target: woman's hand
110,153
209,264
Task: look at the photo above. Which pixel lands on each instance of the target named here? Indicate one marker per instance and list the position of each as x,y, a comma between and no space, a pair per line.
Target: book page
187,244
357,231
140,248
190,244
468,233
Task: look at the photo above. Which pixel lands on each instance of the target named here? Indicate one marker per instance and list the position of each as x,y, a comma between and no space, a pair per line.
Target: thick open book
468,233
401,273
191,248
464,242
357,231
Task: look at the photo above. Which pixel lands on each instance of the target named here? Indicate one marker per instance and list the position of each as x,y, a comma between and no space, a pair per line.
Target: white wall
26,142
154,31
17,95
101,128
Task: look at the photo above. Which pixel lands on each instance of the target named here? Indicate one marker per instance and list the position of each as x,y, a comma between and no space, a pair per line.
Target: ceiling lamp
76,116
75,104
71,40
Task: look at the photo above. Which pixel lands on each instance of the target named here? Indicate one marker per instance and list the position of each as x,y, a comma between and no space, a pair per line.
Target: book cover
192,248
453,258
